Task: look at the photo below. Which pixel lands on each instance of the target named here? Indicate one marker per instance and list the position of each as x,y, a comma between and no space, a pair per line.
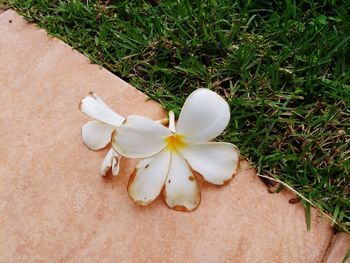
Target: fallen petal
107,162
147,180
116,164
96,135
203,117
139,137
182,190
96,108
217,162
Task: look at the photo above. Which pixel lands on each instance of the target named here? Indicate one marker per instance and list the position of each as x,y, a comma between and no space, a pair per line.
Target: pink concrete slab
339,248
54,206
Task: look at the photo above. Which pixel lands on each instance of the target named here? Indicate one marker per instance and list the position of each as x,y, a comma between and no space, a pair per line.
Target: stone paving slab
338,248
54,206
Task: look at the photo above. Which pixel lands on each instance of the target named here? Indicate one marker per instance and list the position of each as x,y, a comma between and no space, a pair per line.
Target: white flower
172,154
96,134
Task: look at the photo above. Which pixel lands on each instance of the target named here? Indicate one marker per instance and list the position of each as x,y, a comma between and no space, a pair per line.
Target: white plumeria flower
172,154
96,134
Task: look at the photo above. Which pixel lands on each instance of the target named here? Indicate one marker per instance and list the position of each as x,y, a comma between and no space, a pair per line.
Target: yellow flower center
175,142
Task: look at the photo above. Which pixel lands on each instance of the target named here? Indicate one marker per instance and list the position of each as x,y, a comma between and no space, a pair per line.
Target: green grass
283,66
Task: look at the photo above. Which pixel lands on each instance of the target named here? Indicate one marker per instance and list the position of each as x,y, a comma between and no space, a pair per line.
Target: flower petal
181,187
96,135
217,162
203,117
147,180
112,160
139,137
97,109
116,164
107,162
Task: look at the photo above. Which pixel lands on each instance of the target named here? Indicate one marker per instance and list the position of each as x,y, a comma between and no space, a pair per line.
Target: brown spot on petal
228,180
131,180
113,135
140,202
191,178
115,163
93,95
143,202
164,121
79,106
146,166
81,101
181,208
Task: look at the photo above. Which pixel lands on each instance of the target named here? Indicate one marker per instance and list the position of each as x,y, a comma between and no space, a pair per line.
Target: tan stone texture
54,206
339,248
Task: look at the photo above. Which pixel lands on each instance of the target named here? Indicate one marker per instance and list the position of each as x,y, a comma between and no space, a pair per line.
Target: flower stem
172,121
